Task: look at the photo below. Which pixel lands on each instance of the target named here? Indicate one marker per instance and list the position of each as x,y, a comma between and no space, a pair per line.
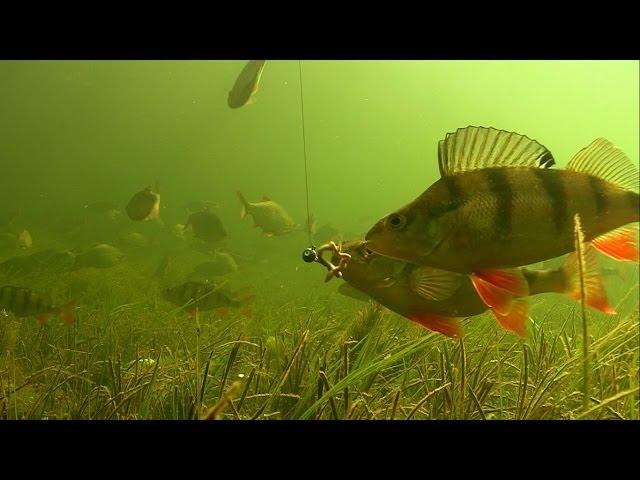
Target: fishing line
304,145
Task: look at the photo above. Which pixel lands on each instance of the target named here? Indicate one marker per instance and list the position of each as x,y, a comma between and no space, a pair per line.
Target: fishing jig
311,254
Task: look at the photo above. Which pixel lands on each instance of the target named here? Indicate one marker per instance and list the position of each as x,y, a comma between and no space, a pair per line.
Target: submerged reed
579,245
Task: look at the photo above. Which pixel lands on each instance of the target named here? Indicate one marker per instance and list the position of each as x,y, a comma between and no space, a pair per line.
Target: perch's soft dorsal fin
473,148
602,159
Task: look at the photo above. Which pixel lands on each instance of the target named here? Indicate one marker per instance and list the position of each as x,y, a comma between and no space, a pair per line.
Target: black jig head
310,254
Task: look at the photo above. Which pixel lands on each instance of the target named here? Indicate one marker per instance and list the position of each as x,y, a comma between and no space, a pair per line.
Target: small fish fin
352,292
265,198
596,295
260,64
449,326
66,312
602,159
473,148
245,205
268,234
619,244
42,319
433,284
191,312
497,288
516,320
223,312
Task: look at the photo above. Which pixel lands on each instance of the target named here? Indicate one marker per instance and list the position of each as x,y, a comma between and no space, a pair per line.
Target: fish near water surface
498,205
436,298
246,84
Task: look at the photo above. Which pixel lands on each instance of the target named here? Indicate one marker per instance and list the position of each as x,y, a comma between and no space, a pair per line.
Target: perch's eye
396,221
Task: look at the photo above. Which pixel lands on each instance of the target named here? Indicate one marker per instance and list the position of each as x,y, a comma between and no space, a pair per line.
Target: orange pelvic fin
448,326
516,320
619,244
66,313
497,288
513,281
42,318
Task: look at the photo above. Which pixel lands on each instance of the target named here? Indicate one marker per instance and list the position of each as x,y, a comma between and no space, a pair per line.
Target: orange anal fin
223,312
494,297
42,318
66,313
191,312
596,298
448,326
595,293
619,244
516,320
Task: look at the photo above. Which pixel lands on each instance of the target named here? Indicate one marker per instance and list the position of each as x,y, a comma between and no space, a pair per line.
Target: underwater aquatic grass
132,358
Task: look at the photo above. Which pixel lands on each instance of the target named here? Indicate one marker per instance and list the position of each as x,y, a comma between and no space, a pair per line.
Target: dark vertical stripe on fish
13,298
22,297
598,195
451,184
553,184
451,198
501,189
